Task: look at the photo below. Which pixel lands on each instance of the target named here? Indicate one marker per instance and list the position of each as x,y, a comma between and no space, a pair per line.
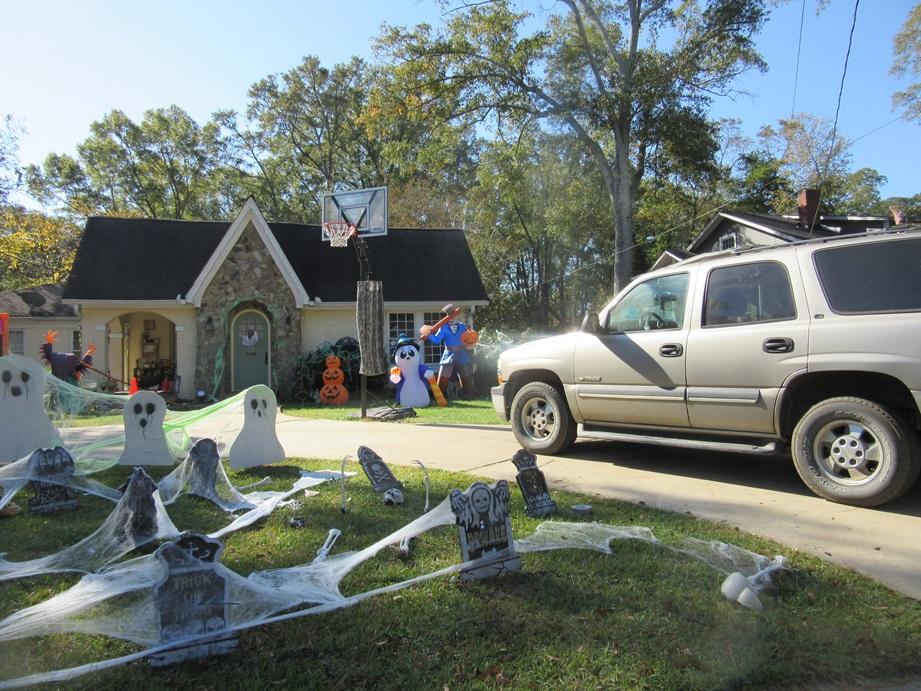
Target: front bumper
497,393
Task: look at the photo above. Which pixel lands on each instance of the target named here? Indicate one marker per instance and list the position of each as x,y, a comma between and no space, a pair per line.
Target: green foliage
35,248
906,48
10,173
162,167
306,371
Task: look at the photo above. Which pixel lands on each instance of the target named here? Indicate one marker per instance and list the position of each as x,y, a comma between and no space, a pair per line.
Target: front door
633,372
250,345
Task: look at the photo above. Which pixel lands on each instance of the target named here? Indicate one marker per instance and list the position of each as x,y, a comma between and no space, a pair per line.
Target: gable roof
39,301
123,259
787,228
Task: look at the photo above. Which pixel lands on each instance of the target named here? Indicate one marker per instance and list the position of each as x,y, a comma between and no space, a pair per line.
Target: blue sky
68,63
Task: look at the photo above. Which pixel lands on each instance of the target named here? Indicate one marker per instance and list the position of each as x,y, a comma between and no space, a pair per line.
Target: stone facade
248,278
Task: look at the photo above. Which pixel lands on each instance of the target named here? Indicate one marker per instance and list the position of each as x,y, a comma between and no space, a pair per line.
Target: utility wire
799,47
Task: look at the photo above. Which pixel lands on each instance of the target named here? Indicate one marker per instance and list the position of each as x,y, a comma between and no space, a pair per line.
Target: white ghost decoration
24,424
145,442
257,443
412,391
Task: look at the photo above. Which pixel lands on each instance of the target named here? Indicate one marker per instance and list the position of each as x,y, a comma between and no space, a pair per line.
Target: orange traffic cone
133,386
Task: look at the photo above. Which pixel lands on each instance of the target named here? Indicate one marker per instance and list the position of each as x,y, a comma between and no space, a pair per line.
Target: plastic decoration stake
342,478
327,547
4,333
425,479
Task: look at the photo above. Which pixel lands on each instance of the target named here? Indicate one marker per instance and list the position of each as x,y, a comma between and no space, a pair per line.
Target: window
75,341
654,304
748,294
401,323
16,342
729,241
432,354
871,277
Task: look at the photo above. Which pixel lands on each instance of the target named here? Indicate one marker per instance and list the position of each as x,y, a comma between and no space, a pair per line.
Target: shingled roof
39,301
151,259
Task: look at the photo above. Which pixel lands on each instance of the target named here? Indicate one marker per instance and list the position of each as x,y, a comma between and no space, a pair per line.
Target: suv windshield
654,304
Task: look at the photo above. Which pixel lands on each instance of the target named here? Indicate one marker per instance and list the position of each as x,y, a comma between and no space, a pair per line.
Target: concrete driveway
761,495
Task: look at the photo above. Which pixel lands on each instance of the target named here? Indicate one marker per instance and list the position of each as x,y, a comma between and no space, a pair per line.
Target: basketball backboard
364,209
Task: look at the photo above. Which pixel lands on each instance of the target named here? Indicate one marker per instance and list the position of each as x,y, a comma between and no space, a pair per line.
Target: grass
644,618
458,412
89,420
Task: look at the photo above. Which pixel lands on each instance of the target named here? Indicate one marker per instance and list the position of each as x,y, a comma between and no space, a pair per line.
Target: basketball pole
364,274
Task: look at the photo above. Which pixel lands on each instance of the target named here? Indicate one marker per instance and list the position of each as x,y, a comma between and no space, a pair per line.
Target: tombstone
257,444
381,477
51,470
136,518
192,599
533,485
145,441
24,424
485,530
204,461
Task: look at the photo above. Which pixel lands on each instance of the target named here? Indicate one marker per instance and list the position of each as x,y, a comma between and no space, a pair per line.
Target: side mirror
590,324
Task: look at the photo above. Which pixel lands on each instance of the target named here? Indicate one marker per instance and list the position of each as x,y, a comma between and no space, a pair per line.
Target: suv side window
654,304
748,294
871,277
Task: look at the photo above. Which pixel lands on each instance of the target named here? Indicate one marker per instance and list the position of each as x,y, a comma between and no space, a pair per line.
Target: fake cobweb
119,602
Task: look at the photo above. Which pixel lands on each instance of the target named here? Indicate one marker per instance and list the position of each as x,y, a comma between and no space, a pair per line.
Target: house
740,230
218,306
32,313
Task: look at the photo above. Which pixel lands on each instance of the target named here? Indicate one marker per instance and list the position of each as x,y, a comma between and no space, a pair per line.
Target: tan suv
815,344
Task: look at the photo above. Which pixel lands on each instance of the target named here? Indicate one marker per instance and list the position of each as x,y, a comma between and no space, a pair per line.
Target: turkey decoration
333,392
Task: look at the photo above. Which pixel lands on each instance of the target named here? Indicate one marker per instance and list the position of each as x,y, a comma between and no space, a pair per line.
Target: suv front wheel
854,451
541,419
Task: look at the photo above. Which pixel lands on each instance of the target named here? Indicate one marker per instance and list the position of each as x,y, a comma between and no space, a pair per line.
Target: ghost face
260,405
406,357
145,442
143,415
15,384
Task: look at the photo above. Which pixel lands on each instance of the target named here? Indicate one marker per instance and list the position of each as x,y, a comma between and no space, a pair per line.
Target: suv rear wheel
854,451
541,419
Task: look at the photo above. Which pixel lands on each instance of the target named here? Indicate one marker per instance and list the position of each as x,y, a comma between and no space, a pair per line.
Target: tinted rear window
876,277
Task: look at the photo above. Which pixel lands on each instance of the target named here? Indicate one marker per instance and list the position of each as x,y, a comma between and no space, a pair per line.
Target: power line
876,129
799,47
847,57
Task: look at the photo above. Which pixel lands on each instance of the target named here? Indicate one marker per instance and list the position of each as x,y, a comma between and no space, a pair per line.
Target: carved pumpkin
333,362
334,394
470,337
333,376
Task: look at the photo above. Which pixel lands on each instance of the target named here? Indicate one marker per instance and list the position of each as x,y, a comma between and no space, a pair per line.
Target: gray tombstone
485,530
381,477
192,599
136,518
533,485
51,470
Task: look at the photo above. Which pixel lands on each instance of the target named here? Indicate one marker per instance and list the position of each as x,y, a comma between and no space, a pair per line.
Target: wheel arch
518,379
809,388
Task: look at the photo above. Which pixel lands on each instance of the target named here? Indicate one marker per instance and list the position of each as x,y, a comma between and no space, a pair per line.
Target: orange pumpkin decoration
333,376
333,392
470,337
334,395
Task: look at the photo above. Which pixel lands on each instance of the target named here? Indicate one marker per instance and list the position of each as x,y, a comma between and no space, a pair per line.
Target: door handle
777,345
671,350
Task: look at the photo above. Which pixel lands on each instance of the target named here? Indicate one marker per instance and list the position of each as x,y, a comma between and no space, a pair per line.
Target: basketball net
338,232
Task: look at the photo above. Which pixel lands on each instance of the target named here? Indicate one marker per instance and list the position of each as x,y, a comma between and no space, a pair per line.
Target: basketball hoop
338,232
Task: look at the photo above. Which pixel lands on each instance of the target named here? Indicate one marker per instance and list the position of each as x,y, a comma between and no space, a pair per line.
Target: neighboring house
223,306
730,230
35,311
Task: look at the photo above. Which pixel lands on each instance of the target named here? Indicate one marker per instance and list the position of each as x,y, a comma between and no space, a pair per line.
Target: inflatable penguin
409,373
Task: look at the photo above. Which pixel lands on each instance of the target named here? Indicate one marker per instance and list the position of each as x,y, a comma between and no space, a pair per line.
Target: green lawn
475,412
644,618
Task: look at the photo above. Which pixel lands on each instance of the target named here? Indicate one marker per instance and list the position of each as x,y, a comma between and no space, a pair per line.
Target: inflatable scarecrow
458,340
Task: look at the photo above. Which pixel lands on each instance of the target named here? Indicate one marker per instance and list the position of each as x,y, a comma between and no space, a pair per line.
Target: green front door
251,360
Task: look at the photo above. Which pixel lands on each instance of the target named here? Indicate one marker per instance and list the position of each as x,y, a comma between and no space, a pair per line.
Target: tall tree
9,163
907,62
604,70
160,168
34,248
